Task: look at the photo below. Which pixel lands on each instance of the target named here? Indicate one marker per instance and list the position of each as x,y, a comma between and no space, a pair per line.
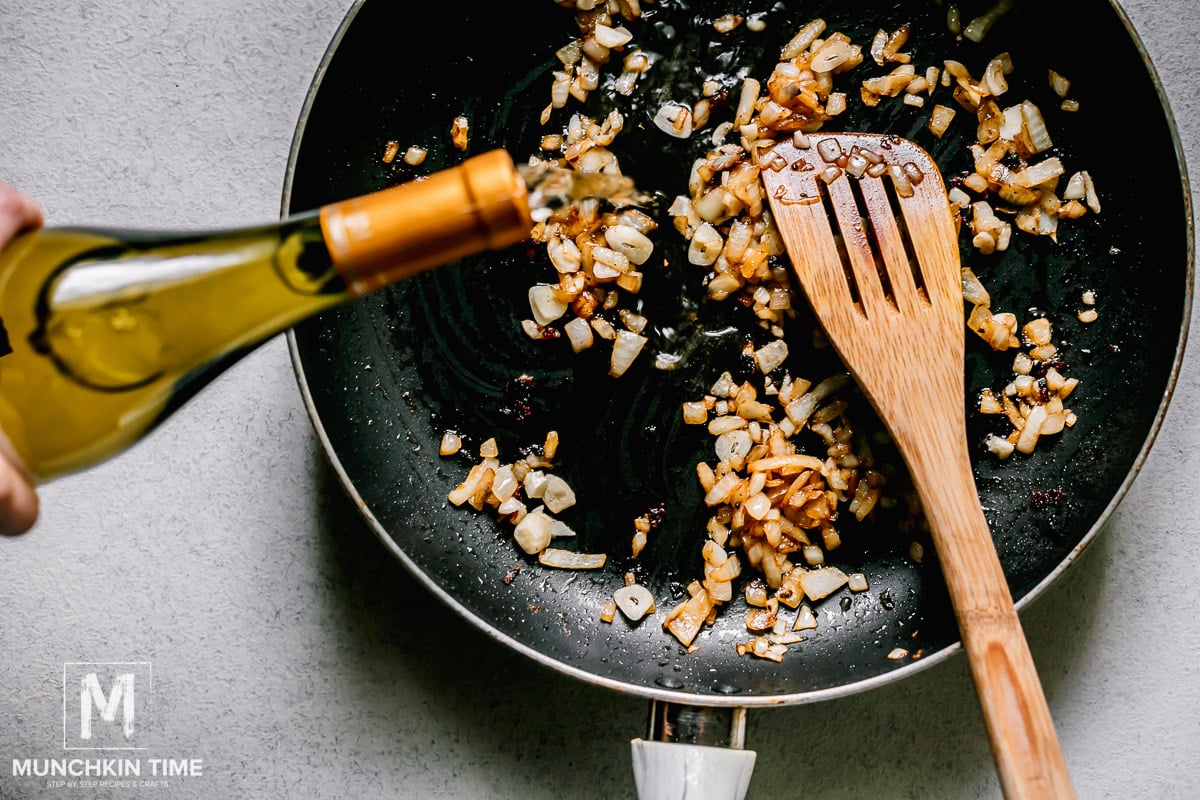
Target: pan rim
756,701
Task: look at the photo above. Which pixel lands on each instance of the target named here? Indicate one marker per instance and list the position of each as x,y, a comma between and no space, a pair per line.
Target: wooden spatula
868,227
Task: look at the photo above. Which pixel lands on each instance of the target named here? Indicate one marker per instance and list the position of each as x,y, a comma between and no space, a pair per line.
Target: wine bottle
104,333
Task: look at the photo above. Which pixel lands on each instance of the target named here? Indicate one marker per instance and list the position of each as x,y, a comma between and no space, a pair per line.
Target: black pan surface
383,378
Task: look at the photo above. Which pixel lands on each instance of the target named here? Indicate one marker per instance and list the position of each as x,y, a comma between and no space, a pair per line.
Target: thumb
18,500
17,212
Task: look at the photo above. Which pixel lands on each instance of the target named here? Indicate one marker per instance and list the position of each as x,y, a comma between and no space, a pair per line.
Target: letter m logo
102,703
91,695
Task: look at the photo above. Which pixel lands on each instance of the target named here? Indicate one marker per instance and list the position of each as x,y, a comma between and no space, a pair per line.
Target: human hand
18,496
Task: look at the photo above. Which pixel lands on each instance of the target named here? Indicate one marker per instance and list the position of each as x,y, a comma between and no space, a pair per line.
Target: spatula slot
912,260
873,246
829,204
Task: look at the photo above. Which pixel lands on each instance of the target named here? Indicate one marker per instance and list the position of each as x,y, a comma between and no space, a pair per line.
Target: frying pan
385,377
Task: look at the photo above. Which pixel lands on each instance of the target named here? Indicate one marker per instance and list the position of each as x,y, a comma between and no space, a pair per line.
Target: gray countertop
294,658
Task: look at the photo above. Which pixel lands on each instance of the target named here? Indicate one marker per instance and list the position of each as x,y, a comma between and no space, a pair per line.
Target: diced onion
822,582
674,119
532,533
569,559
625,349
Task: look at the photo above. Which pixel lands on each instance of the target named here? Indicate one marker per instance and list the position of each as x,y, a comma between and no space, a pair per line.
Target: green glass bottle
104,333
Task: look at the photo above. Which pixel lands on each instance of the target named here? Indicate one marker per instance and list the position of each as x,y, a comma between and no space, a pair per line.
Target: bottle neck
381,238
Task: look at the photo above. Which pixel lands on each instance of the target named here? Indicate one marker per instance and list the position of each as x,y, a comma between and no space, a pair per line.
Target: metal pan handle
694,752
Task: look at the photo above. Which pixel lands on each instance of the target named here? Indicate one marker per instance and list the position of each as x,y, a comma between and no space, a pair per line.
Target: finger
17,212
18,500
18,497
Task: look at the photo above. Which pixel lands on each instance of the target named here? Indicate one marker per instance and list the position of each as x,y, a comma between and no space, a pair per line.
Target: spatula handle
1028,756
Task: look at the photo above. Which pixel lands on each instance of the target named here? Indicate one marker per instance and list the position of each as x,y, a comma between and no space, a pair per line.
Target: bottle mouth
380,238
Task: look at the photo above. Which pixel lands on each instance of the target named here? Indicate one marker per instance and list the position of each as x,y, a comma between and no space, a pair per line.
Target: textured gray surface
297,660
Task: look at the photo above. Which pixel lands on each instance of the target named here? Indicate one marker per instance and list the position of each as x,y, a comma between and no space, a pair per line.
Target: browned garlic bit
608,612
597,254
451,443
414,156
601,42
1062,86
1033,401
459,129
903,80
979,26
509,488
774,506
764,617
641,531
1025,192
1089,314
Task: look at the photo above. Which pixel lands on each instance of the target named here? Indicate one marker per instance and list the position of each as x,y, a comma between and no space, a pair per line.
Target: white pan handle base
674,771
